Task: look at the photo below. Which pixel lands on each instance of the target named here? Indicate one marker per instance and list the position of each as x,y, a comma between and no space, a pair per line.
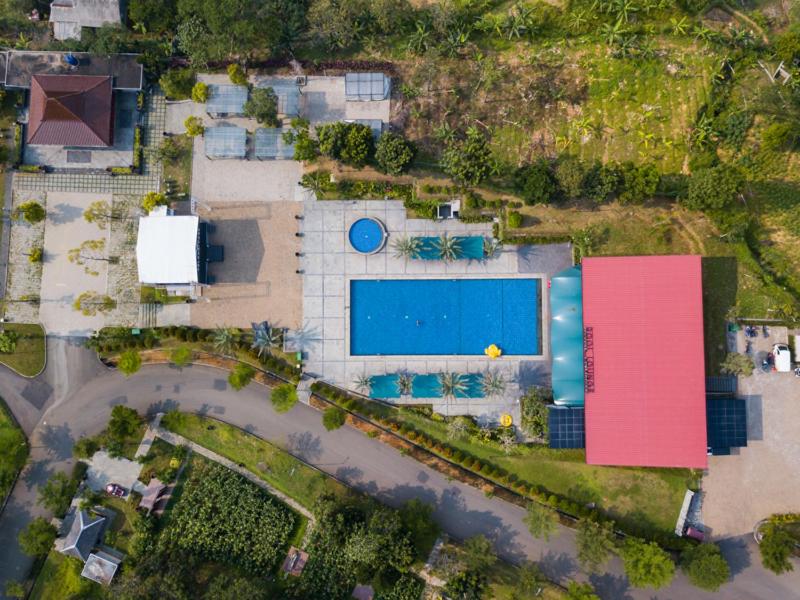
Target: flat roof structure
124,69
71,110
225,142
167,249
364,87
645,372
70,16
226,99
100,567
269,144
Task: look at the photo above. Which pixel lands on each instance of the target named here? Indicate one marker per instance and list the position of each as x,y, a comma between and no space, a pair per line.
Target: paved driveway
103,469
764,477
63,281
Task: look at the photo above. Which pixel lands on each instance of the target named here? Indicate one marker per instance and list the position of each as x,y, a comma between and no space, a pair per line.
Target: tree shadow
558,566
720,283
58,441
611,587
305,445
162,406
737,552
349,475
64,213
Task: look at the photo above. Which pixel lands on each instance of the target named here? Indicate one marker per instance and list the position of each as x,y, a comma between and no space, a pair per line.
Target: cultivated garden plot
24,274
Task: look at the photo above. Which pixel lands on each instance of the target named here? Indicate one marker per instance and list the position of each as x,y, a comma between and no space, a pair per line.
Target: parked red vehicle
112,489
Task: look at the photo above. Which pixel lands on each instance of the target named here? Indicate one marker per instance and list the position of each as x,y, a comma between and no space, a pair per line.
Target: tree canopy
542,521
468,160
595,543
776,546
705,566
262,105
393,153
38,537
647,564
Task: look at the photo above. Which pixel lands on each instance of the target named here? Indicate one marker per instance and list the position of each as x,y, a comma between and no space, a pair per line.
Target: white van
783,358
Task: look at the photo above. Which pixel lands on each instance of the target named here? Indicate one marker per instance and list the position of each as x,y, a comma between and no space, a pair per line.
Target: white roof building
69,16
167,249
100,567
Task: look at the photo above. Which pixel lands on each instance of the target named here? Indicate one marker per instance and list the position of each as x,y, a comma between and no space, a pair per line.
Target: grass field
180,170
270,463
29,357
14,450
60,577
649,498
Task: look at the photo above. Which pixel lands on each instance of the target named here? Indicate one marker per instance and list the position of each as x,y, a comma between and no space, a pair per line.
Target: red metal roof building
71,110
644,361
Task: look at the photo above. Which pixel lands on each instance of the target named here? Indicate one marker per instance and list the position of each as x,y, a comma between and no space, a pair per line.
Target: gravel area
24,277
123,277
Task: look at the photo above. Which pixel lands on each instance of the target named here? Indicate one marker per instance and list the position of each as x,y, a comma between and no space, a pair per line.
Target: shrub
714,189
737,364
241,376
177,83
200,92
38,537
780,136
705,566
646,564
181,356
194,126
393,153
350,143
570,173
514,219
776,546
31,211
236,74
468,161
8,342
129,362
639,182
333,418
535,183
284,397
152,199
85,447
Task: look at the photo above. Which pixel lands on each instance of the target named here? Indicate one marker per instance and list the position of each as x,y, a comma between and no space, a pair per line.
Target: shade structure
269,145
226,142
645,389
565,425
362,87
167,249
566,337
225,100
726,424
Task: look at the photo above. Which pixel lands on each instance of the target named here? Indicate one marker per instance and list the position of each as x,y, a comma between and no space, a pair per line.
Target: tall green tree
156,16
38,537
468,160
478,553
705,566
581,591
776,546
129,362
647,564
262,105
714,189
393,153
535,183
542,521
56,494
595,543
241,376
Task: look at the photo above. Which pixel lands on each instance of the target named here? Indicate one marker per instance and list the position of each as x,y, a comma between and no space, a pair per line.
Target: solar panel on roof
366,86
566,427
726,423
269,144
726,384
226,99
225,142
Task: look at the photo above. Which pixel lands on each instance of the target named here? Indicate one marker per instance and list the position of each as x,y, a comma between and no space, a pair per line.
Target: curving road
75,395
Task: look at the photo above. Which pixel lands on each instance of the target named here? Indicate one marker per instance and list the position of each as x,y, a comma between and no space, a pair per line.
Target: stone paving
329,263
123,277
24,279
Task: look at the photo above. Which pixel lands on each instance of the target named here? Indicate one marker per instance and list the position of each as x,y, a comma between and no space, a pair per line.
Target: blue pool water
444,316
469,246
424,386
366,235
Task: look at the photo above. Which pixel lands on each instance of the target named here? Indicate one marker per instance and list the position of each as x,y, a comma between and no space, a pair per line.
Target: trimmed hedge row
381,414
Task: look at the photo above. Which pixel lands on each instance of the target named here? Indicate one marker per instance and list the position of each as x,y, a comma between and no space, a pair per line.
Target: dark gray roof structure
83,535
269,144
226,100
226,142
124,69
363,87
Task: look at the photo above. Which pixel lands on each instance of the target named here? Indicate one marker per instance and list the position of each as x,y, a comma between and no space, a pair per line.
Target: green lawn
60,577
159,462
118,535
180,170
270,463
29,357
13,450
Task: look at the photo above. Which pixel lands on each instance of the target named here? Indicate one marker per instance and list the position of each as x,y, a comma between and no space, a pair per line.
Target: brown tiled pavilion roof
71,110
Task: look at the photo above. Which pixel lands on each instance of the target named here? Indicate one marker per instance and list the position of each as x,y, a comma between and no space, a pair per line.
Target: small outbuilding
269,145
366,87
295,562
226,142
100,567
152,494
69,17
226,100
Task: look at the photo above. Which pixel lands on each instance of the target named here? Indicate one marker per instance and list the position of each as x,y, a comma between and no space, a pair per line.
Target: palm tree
493,384
405,384
225,339
407,247
265,338
452,385
449,248
491,246
316,183
363,383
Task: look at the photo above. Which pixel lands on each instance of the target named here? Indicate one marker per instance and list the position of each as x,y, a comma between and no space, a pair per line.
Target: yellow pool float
506,420
493,351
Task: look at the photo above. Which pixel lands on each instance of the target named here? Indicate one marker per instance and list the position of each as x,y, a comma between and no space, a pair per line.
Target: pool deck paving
329,263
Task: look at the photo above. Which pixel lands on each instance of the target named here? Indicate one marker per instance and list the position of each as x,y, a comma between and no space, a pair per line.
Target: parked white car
783,358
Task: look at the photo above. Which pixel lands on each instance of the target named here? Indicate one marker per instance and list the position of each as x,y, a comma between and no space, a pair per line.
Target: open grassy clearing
29,357
60,577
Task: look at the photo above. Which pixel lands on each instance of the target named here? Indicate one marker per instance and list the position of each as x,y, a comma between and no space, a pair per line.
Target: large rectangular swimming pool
444,316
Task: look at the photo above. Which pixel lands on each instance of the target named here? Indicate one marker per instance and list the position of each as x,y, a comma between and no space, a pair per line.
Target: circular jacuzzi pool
367,235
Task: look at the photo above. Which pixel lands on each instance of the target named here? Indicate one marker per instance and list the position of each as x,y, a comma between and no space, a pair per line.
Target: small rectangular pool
444,316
